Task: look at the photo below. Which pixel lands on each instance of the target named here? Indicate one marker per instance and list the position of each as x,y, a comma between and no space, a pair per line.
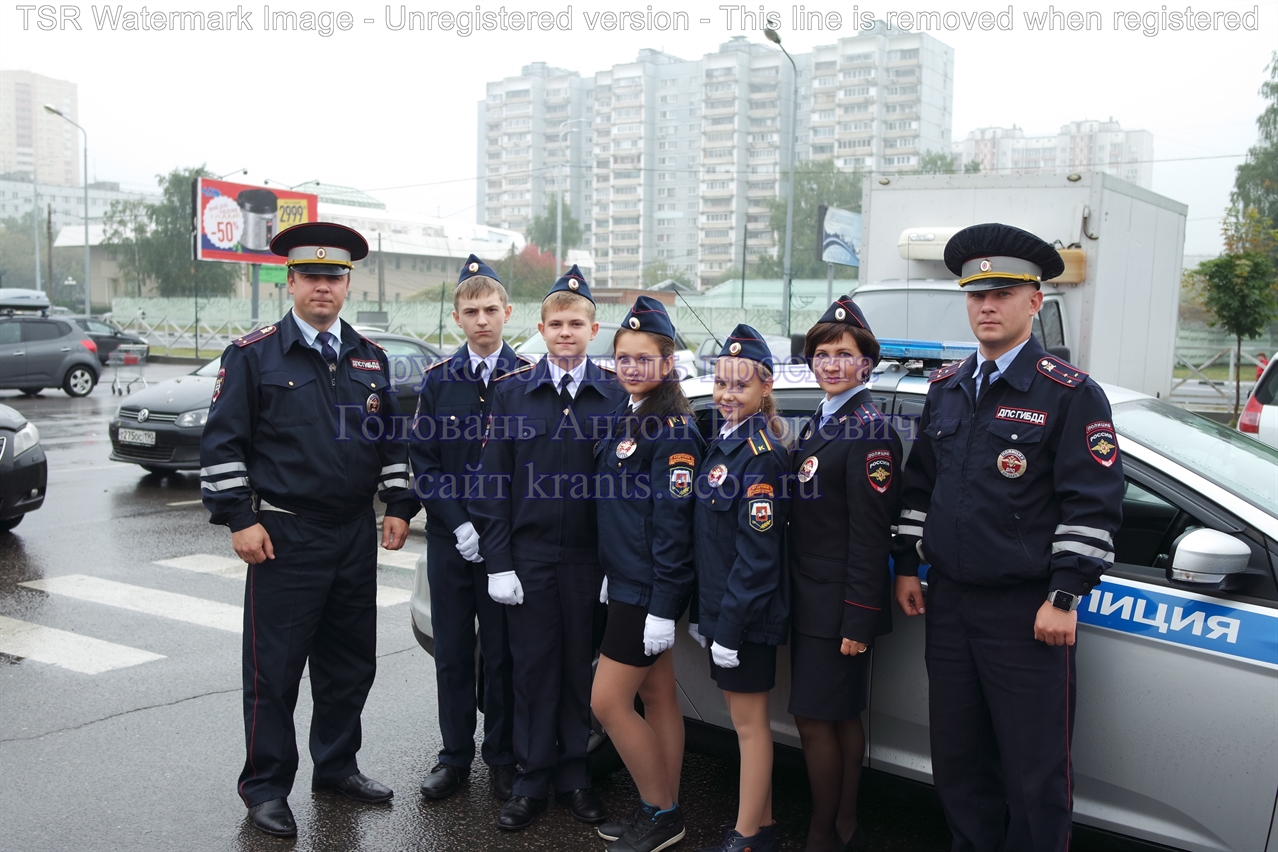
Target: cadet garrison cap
649,315
993,256
572,281
745,342
474,266
320,248
845,311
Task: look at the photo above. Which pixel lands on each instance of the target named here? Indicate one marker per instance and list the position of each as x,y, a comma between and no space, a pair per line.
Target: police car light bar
924,350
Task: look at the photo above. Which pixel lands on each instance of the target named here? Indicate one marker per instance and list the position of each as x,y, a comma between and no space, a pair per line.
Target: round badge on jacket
1012,463
717,474
808,469
373,404
626,449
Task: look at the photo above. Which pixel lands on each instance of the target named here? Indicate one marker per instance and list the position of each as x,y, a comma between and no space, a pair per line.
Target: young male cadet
537,533
1014,489
452,409
287,467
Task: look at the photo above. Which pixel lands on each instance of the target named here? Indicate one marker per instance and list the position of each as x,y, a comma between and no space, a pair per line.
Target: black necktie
987,370
326,349
564,396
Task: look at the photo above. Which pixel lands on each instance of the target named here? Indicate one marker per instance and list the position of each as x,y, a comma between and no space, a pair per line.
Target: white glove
505,588
658,635
696,634
723,658
603,591
468,542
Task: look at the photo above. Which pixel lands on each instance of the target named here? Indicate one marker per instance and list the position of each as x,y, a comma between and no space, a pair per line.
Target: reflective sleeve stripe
1082,549
394,468
906,529
1090,532
229,467
394,483
226,484
914,515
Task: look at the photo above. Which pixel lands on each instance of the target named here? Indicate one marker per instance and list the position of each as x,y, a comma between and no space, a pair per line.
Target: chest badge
808,469
717,474
1012,463
373,404
626,449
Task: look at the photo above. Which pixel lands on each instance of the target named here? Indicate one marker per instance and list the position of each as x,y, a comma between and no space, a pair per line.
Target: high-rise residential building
685,156
1080,146
32,138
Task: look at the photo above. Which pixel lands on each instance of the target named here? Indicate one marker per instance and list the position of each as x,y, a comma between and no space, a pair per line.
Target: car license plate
137,436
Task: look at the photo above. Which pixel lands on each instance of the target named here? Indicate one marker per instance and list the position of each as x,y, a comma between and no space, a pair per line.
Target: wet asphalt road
145,756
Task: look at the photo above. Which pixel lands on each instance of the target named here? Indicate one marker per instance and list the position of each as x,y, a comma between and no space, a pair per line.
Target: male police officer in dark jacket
290,462
1015,490
452,408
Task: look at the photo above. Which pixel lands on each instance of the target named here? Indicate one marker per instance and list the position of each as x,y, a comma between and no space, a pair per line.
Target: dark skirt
623,637
825,683
757,671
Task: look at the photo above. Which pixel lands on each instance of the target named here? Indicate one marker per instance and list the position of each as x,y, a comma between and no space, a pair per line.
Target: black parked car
159,428
23,469
106,336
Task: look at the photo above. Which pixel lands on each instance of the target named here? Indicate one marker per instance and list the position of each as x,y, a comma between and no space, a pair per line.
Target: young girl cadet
743,596
846,495
645,469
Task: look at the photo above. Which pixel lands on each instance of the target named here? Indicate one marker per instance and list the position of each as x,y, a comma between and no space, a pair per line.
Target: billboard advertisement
235,222
839,236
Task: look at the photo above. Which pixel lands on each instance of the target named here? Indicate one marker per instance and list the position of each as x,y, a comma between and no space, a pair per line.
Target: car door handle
66,348
17,353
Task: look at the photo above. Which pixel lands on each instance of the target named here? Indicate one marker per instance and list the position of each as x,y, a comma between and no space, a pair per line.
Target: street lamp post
559,208
789,192
87,290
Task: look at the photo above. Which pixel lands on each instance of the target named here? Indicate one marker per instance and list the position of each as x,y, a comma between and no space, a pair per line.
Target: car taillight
1250,419
89,344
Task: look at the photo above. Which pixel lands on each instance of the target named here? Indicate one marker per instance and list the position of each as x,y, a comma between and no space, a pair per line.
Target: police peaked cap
572,281
474,266
845,311
320,248
745,342
992,256
649,315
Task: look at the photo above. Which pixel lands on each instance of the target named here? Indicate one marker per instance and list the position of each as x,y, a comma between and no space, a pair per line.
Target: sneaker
734,842
651,832
768,839
615,829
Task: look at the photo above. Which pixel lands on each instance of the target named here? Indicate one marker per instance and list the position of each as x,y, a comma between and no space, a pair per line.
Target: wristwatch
1064,601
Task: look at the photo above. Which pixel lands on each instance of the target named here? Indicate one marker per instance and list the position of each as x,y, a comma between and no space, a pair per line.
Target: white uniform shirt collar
831,404
726,430
490,363
310,333
578,373
1001,363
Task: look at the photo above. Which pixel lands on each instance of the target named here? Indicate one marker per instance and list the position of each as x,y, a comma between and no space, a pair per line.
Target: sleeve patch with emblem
681,481
878,469
1102,443
217,385
760,488
761,515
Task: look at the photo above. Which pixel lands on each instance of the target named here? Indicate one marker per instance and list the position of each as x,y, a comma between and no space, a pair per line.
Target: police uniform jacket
313,441
646,468
743,594
845,500
1029,486
538,464
447,436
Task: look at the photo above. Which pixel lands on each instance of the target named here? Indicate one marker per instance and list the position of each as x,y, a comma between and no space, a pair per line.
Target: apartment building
33,139
1079,146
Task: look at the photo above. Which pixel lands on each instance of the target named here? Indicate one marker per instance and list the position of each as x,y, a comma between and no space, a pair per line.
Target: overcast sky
394,112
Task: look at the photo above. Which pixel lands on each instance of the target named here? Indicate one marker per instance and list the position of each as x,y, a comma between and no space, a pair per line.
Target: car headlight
198,417
28,436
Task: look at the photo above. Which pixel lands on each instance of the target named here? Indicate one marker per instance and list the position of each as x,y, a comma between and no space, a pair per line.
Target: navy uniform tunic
742,592
1012,499
452,411
537,517
645,505
313,445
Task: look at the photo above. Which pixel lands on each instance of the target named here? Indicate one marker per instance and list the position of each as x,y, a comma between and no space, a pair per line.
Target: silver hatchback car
1176,738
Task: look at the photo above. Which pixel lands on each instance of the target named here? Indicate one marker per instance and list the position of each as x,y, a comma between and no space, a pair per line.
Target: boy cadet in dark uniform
1014,490
447,439
538,536
286,464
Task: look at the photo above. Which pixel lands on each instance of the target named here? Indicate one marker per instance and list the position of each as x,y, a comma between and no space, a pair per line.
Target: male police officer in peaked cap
297,444
1013,494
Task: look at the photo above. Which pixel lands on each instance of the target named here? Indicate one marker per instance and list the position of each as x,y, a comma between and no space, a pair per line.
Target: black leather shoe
858,842
274,817
502,780
361,788
443,780
519,812
585,806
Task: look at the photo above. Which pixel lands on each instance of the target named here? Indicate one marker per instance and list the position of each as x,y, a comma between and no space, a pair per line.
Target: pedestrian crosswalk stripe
67,650
186,608
405,559
222,566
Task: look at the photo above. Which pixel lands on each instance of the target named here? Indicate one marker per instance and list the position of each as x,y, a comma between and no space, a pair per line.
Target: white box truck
1117,321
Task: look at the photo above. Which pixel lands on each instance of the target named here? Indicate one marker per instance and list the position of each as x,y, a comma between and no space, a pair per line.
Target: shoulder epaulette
605,367
524,358
514,373
1061,372
944,372
677,420
868,412
441,362
372,341
759,442
255,335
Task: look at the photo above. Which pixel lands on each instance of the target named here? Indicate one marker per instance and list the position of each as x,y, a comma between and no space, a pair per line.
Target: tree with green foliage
658,271
938,163
17,260
541,230
152,241
1239,288
1256,181
817,183
526,274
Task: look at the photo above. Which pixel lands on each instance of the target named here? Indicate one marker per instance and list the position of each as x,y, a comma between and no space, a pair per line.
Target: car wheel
7,524
30,391
79,381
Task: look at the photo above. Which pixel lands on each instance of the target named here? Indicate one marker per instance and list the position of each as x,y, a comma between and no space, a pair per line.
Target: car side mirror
1205,557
